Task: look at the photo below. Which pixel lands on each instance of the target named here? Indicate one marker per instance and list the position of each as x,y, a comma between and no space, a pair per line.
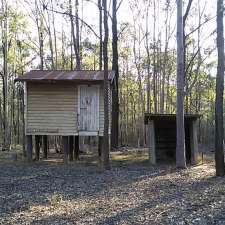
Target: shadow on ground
132,192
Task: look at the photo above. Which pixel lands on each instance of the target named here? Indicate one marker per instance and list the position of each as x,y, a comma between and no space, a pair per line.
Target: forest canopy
66,35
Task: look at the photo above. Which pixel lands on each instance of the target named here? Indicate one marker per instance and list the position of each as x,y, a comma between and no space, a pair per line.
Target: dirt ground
132,192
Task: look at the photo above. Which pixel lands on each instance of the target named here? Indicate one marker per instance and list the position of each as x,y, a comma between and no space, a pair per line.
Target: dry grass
132,192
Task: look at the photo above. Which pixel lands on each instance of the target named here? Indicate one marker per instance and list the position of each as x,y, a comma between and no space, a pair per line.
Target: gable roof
65,75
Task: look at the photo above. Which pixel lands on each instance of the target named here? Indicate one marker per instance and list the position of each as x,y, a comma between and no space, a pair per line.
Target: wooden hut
162,137
64,103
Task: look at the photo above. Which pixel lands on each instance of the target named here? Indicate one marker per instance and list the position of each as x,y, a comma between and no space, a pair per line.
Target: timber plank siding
51,109
101,112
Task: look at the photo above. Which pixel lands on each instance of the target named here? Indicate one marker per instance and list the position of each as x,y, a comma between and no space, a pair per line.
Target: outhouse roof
65,75
187,117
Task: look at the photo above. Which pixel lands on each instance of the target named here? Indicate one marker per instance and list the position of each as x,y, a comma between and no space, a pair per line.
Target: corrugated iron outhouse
64,103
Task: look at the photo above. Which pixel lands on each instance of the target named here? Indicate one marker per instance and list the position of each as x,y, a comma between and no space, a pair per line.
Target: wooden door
88,108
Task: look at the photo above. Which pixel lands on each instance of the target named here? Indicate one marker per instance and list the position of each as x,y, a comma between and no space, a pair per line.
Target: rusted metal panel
64,75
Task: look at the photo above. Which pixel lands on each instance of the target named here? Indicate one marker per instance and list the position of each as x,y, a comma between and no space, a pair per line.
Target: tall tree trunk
48,26
77,49
180,145
100,33
115,98
63,54
71,49
74,41
184,35
165,60
105,153
154,62
219,132
148,61
39,23
55,38
5,73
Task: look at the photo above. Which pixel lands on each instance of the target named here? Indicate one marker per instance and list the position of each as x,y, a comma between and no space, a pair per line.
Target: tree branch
117,8
192,60
200,25
188,90
69,14
187,11
1,74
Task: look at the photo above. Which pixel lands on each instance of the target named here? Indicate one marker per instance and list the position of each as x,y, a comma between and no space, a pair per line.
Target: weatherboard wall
52,109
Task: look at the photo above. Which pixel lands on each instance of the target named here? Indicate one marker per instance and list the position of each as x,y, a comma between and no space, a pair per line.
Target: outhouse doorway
162,137
88,108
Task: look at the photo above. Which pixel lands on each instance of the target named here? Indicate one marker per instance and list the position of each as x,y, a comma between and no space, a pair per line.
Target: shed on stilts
64,103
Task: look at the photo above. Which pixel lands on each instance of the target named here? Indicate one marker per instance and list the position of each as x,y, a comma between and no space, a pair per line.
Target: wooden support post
71,147
29,148
100,142
45,146
151,142
194,142
76,148
37,147
110,147
65,148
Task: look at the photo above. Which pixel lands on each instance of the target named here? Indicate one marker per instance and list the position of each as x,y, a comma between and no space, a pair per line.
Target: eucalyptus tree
4,73
115,67
105,152
180,140
219,134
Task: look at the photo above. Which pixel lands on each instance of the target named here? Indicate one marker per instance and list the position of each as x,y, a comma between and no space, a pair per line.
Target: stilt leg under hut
37,147
29,148
71,147
76,148
45,146
65,148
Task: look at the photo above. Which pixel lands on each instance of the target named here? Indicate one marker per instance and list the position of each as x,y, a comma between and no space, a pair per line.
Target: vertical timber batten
25,108
194,142
151,137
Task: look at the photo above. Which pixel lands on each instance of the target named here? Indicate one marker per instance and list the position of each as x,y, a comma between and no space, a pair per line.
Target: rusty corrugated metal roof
158,116
65,75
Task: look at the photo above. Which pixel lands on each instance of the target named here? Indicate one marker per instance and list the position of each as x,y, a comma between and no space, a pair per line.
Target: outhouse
162,137
64,103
